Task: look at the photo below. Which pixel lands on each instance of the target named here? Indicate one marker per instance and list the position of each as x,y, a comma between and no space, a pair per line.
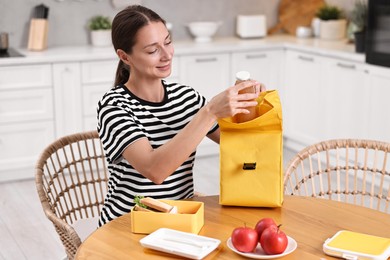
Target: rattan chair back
71,179
348,170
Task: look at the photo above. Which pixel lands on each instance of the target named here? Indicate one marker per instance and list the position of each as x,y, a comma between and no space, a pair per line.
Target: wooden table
308,220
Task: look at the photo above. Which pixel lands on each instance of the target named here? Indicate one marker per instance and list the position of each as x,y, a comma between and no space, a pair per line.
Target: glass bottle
241,117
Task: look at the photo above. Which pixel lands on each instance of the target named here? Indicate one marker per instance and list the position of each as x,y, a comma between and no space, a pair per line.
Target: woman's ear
123,56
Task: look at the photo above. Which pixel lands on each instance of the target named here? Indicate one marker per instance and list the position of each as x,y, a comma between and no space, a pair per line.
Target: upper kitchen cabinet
264,66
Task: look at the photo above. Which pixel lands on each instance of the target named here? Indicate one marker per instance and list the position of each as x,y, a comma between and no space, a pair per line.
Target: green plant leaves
328,12
99,22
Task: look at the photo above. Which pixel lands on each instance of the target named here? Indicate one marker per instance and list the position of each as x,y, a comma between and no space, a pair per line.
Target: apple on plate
262,224
273,240
244,239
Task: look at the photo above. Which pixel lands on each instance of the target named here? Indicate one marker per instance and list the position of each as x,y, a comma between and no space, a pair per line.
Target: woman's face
152,54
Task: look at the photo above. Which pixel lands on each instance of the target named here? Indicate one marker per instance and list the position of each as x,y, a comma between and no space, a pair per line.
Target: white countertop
338,49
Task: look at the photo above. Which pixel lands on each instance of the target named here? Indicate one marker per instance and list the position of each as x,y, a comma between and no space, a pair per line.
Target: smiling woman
150,129
150,58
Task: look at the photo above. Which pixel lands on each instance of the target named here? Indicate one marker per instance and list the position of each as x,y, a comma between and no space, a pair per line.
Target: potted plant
332,24
359,20
100,27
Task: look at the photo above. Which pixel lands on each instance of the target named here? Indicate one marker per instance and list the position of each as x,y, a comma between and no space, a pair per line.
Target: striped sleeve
118,130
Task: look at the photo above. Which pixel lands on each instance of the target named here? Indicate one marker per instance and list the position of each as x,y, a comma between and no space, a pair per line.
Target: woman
150,129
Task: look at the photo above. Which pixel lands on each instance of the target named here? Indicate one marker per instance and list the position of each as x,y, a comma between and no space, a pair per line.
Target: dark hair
125,26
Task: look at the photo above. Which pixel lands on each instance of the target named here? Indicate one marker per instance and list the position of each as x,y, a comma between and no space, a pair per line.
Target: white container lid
243,75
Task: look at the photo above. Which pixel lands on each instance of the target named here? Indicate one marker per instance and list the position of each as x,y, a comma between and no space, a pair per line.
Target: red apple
273,240
262,224
244,239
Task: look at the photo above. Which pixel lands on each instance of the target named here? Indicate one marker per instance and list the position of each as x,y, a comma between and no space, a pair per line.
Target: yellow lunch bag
251,157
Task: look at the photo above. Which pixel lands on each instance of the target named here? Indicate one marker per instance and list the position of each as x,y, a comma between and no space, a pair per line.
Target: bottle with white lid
240,118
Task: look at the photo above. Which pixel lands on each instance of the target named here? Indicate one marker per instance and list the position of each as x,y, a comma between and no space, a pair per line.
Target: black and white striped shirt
124,118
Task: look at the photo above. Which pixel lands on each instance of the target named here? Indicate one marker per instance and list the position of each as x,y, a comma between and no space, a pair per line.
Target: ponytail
122,73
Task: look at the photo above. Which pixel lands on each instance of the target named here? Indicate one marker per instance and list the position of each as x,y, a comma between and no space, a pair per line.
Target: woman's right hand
230,102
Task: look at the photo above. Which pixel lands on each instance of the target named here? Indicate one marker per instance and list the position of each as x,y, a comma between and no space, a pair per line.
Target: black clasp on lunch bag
249,166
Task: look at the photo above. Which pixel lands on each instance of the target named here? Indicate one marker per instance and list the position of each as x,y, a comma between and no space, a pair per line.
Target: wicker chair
71,179
348,170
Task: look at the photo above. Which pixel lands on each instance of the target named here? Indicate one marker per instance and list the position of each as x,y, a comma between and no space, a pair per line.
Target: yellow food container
190,218
354,245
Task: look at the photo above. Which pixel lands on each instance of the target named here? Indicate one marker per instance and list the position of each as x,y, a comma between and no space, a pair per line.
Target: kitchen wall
68,18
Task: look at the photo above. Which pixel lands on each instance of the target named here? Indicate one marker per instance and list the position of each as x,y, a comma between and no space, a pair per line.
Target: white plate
259,253
180,243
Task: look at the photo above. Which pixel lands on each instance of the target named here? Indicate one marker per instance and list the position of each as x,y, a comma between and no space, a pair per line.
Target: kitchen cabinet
78,88
26,105
264,66
25,76
26,118
210,75
378,100
91,94
207,73
325,92
303,100
67,97
20,146
345,93
328,98
97,77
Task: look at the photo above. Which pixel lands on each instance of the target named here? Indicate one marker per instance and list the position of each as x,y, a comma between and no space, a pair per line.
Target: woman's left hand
230,102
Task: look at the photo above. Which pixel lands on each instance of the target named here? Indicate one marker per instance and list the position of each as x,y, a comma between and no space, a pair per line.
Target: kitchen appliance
378,33
251,26
3,42
10,53
5,51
